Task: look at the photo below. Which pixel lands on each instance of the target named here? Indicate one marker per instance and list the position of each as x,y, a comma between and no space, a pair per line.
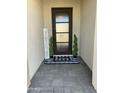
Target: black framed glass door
62,30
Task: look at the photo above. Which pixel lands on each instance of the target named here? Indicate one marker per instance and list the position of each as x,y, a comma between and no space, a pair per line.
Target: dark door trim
69,11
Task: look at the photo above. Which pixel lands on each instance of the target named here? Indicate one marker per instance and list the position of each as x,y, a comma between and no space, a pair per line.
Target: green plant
75,46
51,46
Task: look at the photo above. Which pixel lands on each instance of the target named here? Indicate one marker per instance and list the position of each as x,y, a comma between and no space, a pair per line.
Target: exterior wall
88,13
35,50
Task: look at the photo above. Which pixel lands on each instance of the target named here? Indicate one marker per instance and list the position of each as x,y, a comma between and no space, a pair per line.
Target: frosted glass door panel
62,18
62,27
62,37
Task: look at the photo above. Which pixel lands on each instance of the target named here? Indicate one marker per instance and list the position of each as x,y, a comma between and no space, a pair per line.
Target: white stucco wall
88,13
35,50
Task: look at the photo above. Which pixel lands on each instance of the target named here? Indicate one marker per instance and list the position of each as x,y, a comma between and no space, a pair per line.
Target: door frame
69,10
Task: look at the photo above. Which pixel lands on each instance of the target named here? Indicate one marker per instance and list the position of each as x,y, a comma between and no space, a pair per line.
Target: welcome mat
60,61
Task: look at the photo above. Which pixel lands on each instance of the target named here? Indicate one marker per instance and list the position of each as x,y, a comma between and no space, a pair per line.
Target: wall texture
35,50
48,4
88,11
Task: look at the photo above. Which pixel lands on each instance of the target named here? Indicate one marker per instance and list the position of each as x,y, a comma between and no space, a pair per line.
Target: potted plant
51,47
75,47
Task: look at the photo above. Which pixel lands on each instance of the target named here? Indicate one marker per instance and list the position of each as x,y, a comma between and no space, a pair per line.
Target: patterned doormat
62,60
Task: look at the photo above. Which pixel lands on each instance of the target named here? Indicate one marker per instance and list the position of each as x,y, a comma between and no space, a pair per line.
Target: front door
62,30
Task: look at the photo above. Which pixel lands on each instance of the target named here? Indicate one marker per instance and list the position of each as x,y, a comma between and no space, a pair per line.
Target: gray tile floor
62,78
